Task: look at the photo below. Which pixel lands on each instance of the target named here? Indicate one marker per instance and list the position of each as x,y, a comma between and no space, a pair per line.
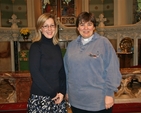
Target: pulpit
125,59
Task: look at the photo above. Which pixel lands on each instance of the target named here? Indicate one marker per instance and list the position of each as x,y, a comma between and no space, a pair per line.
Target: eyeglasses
49,26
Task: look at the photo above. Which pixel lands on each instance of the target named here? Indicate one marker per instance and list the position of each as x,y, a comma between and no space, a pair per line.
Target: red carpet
118,108
13,108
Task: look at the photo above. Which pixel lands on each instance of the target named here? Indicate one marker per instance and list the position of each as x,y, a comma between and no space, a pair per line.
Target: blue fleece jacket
92,72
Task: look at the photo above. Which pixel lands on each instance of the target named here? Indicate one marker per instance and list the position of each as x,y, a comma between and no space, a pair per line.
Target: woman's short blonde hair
40,22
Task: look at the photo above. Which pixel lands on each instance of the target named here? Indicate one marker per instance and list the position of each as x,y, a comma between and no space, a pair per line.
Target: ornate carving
14,21
130,88
124,90
7,88
101,20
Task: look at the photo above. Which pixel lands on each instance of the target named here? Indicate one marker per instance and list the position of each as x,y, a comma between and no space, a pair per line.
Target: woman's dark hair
85,17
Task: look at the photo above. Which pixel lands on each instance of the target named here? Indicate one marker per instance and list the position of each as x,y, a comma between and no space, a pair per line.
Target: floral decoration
25,32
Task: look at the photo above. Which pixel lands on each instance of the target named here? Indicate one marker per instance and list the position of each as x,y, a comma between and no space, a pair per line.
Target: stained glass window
49,6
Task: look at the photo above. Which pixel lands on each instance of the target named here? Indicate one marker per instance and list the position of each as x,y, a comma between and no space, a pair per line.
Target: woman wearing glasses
47,70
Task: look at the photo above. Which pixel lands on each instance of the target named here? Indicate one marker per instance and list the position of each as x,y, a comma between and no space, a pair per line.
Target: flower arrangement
25,32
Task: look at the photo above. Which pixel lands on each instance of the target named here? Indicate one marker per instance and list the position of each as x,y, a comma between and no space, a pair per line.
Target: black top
46,68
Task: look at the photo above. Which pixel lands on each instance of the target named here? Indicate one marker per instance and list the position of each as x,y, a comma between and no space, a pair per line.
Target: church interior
117,20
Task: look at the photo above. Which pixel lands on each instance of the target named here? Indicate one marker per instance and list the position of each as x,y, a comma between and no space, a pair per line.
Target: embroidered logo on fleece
94,55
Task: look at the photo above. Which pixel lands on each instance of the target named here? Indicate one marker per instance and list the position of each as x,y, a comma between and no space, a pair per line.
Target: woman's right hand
58,98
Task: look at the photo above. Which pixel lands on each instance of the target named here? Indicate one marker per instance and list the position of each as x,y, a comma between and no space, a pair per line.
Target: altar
128,96
15,91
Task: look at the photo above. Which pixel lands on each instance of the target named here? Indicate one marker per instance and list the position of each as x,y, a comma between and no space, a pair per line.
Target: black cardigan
46,68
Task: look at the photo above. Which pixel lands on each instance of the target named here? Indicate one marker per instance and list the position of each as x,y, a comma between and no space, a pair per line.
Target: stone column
30,13
123,12
85,5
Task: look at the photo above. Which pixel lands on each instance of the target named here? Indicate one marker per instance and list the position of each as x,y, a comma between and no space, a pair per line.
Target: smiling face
86,24
86,29
48,29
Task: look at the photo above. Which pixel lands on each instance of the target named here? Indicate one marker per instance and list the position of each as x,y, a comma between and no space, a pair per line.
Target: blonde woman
47,70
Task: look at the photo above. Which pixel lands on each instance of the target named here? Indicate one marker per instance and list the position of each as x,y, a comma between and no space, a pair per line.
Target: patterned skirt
44,104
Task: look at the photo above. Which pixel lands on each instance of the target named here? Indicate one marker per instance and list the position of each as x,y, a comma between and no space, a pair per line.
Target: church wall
5,56
17,7
105,7
114,33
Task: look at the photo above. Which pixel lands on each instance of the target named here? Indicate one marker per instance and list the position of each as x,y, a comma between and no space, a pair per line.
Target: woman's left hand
58,98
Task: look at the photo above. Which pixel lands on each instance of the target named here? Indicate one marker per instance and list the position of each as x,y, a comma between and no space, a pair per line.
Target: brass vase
25,37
